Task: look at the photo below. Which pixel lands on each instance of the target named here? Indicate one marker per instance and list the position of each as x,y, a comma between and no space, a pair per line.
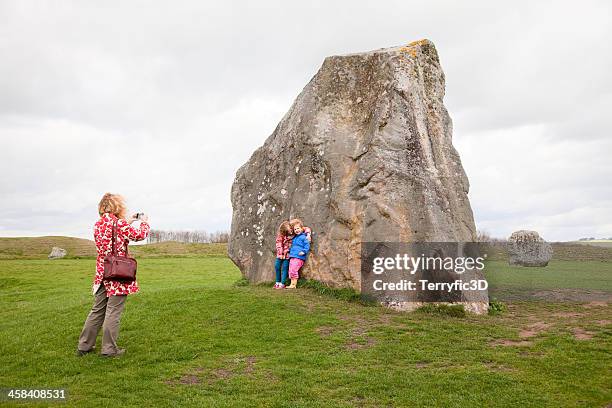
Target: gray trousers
105,313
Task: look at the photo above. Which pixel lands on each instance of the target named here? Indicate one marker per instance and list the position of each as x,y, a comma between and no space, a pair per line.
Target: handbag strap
114,250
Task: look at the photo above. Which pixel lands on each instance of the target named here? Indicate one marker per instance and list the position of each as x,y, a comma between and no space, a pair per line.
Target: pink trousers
294,267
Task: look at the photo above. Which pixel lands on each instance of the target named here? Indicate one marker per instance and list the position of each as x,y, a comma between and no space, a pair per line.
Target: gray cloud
163,102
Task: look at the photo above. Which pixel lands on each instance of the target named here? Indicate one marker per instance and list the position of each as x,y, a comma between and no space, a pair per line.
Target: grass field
196,339
606,243
559,281
77,248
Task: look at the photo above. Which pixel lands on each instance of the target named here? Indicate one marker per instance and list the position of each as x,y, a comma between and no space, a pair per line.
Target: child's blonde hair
285,228
296,221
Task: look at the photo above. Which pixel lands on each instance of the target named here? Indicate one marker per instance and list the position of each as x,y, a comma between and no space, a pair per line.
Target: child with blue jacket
300,247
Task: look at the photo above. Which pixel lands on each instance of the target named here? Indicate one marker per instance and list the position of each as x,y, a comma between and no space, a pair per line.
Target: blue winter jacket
299,245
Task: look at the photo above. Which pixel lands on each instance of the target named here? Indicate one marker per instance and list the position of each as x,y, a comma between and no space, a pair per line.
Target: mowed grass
583,275
195,339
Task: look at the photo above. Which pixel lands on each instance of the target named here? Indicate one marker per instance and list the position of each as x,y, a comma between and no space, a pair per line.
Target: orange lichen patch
410,50
418,43
412,47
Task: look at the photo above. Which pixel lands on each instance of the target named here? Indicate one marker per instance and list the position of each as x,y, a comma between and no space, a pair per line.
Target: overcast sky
163,101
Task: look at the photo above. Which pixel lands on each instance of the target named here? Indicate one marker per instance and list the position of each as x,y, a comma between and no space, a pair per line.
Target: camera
139,215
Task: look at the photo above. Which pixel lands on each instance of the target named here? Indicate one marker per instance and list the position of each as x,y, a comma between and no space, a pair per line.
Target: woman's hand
144,218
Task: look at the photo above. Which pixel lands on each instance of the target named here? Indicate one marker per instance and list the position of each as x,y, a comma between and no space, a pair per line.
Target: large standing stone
57,252
364,154
527,248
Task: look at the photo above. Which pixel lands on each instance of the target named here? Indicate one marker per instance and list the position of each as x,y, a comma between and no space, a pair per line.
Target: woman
110,296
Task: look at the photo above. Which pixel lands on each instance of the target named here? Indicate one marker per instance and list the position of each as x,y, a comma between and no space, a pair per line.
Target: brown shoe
81,353
118,353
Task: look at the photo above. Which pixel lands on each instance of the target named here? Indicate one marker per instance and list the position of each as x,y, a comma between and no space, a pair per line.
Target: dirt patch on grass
511,343
534,329
352,319
387,318
359,339
250,365
567,314
581,334
512,294
359,331
222,374
573,295
574,318
308,306
354,345
498,367
232,368
187,379
325,331
596,303
236,366
532,354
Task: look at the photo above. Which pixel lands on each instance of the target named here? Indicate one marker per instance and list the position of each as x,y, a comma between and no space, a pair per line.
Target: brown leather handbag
119,268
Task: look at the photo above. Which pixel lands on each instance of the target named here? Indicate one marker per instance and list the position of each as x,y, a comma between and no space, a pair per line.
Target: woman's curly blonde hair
112,203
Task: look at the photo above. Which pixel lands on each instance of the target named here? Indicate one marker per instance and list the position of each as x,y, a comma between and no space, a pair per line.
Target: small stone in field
527,248
57,253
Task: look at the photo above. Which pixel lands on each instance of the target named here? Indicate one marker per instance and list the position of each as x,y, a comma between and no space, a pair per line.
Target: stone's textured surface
527,248
57,252
364,154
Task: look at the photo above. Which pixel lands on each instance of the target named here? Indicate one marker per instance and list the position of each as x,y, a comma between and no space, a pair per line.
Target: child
300,247
283,243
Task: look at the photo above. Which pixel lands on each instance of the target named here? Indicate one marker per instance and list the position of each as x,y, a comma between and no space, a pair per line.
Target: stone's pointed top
411,49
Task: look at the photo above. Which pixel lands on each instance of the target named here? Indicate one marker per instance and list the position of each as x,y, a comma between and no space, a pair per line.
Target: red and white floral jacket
103,233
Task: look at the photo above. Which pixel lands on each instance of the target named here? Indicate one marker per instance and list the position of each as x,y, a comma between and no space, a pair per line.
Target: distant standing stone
57,253
527,248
